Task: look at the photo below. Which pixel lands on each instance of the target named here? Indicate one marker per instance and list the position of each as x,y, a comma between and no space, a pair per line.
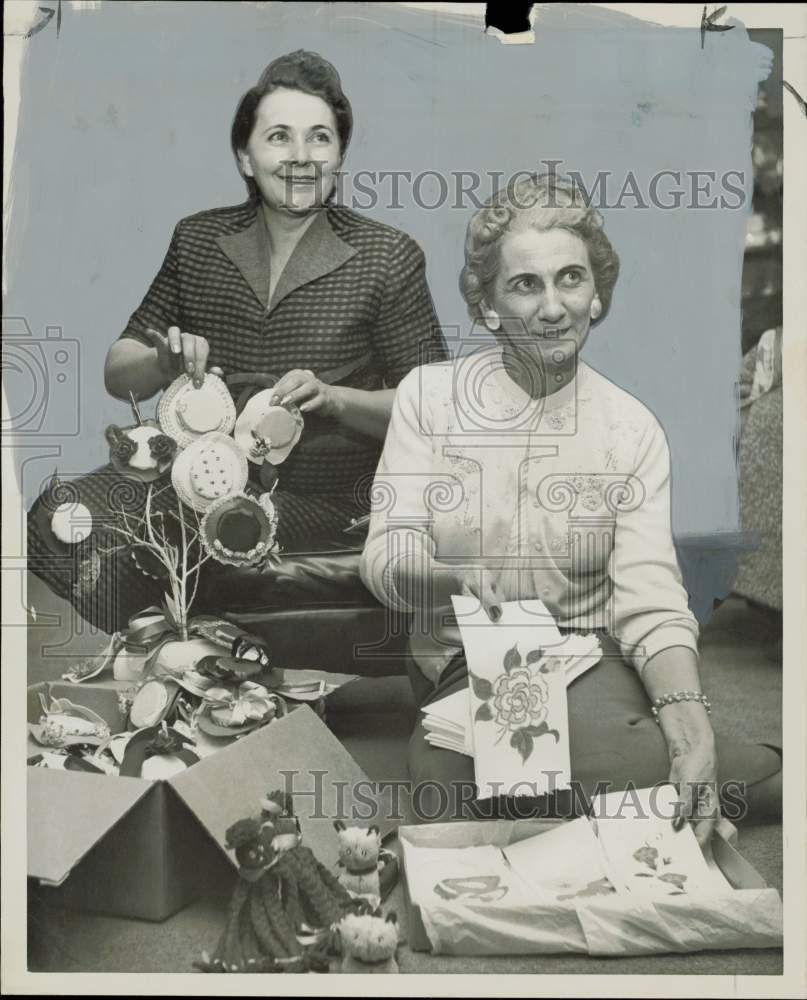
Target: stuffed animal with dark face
369,943
252,842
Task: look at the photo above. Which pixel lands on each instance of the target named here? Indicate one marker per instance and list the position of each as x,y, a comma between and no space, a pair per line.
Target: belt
243,385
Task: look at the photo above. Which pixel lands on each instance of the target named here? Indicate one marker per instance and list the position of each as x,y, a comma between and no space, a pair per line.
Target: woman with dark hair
287,284
539,478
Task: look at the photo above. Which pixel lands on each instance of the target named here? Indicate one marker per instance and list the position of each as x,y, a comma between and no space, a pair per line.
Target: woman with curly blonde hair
554,483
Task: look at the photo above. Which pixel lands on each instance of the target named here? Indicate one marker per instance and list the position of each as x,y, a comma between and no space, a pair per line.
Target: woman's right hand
181,352
468,583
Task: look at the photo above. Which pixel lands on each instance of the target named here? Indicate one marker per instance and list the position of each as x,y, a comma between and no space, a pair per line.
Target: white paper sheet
562,864
480,919
439,876
642,852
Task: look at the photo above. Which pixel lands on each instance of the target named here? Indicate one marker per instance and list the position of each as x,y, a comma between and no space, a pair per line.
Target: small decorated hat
239,530
266,432
153,703
141,452
247,708
187,413
211,468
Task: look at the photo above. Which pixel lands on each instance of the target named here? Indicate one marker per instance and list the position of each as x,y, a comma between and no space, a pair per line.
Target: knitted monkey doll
284,896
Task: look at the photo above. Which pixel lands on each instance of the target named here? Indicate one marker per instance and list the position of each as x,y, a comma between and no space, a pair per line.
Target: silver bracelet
678,696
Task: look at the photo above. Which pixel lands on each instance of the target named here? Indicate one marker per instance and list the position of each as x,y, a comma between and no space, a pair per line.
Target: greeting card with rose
519,721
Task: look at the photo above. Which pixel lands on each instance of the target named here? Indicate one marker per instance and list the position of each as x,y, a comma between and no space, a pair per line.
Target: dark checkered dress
352,295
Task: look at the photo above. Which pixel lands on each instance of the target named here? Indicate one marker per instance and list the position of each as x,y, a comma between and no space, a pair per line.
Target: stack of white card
448,721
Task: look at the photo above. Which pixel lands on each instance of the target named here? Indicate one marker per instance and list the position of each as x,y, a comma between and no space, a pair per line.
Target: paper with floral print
519,719
643,853
447,721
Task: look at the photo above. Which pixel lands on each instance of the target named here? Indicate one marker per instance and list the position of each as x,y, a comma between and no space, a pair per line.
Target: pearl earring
596,308
492,321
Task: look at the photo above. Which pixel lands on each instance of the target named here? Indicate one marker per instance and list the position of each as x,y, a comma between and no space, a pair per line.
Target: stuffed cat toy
369,943
359,852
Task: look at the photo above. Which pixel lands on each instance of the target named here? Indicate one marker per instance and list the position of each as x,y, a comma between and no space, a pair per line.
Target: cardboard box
749,916
136,848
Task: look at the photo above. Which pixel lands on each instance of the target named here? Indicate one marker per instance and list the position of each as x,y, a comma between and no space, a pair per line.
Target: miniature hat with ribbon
64,724
160,744
186,413
267,432
234,713
210,468
239,530
153,702
144,451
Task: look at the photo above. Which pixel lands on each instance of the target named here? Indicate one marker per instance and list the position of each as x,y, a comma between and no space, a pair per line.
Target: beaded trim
678,696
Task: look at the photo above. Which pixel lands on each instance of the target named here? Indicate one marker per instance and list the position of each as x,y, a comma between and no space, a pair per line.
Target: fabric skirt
108,587
615,744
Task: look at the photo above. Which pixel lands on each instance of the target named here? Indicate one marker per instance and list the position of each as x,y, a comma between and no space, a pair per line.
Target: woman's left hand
694,772
301,387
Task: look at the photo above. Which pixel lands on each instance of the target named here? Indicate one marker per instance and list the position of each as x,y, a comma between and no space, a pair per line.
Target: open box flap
740,873
296,752
67,818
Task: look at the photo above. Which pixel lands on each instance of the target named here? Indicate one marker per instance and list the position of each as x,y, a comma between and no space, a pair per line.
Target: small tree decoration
177,558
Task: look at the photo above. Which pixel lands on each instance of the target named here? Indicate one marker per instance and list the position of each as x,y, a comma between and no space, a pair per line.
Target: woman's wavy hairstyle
299,70
536,201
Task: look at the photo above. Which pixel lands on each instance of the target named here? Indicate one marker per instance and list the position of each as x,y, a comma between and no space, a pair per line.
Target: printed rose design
519,699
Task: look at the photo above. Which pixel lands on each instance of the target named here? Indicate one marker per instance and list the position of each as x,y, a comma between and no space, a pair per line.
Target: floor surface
373,719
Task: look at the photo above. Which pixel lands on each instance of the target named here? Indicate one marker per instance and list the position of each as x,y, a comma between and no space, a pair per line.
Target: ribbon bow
250,647
250,703
147,633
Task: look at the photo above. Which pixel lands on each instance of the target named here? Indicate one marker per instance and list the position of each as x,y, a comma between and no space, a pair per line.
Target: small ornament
210,468
238,530
186,413
266,431
141,452
71,523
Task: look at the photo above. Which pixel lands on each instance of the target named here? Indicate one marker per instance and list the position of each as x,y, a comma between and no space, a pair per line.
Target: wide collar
319,252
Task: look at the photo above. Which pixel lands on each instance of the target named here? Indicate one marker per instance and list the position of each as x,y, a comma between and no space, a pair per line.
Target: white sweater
565,499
